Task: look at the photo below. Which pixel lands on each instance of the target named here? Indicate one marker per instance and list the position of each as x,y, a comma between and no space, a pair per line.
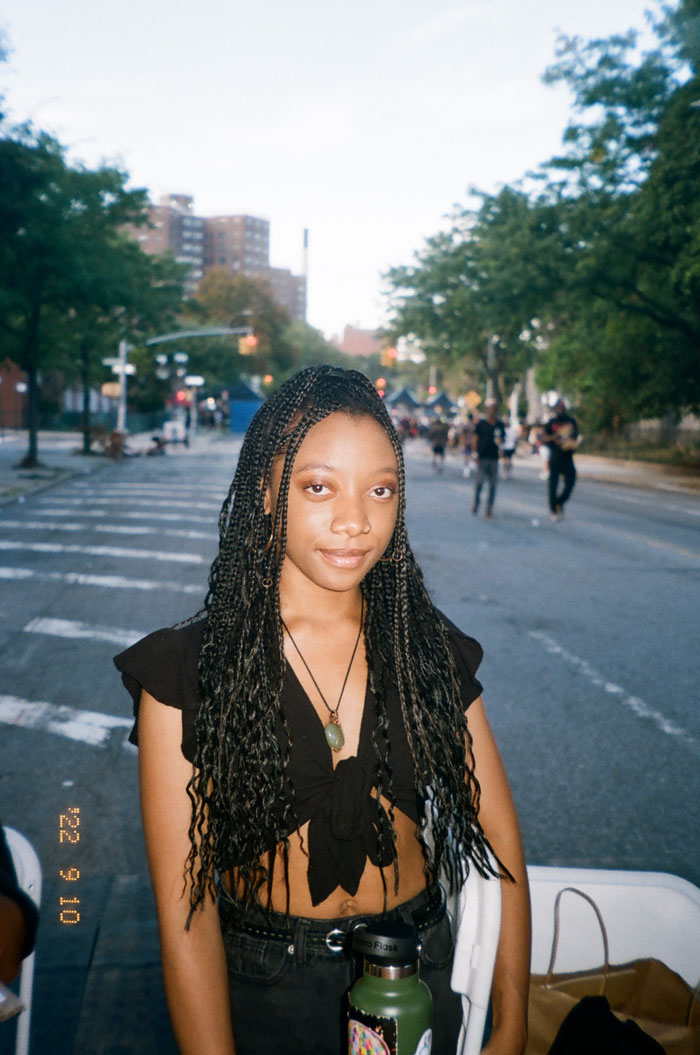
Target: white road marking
178,518
72,629
127,529
88,727
108,529
102,551
108,582
213,494
633,703
38,525
157,504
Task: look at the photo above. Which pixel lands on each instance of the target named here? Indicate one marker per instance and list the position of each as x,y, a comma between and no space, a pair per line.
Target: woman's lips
344,558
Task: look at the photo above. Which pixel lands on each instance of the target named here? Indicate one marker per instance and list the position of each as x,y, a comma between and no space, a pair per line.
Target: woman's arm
194,964
498,818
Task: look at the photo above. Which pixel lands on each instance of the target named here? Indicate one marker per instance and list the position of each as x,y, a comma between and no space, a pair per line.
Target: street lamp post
122,367
193,382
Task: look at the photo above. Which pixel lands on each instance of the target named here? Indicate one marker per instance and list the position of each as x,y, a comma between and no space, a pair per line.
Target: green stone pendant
334,733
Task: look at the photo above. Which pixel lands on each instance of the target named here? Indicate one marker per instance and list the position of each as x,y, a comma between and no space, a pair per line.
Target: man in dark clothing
561,436
489,434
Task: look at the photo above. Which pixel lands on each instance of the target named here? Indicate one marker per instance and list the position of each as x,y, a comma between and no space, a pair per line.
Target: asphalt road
590,634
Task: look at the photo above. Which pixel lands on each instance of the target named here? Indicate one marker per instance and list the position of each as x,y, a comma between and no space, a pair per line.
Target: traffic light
247,344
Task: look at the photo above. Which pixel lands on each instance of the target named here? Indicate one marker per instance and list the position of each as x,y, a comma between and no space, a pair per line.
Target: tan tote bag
646,991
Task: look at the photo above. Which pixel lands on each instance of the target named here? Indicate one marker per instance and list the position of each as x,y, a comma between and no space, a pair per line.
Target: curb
45,485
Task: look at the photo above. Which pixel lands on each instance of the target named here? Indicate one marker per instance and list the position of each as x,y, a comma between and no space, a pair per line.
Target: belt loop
300,953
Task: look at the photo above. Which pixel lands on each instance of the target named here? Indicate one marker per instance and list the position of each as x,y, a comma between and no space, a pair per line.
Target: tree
130,294
474,290
61,251
239,301
601,243
630,227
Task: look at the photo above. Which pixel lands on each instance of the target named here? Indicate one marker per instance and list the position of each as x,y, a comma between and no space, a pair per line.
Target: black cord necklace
333,730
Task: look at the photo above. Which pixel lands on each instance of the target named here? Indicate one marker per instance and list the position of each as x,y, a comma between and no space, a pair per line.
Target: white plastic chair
28,869
646,914
476,916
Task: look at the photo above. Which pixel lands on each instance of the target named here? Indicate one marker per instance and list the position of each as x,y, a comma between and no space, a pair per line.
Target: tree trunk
30,365
31,458
85,381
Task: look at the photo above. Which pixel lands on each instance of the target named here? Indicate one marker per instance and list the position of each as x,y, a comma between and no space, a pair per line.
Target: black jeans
560,467
486,471
289,978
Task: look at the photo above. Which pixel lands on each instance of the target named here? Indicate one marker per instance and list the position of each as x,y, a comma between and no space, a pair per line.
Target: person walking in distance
465,438
489,434
510,443
562,437
437,436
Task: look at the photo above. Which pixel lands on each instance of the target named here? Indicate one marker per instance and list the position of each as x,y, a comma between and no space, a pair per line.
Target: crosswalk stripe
109,582
137,501
88,727
106,529
130,514
71,628
102,551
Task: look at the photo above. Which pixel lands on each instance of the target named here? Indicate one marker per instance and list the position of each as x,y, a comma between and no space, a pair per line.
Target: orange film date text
69,836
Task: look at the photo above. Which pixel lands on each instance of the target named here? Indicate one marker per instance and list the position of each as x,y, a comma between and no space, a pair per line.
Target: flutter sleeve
468,654
165,664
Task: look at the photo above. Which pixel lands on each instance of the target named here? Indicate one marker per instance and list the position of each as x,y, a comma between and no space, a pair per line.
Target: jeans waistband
424,911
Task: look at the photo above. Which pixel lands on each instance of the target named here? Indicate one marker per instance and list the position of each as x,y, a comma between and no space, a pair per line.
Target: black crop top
345,827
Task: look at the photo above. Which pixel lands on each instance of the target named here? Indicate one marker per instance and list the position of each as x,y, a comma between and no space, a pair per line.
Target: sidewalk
60,454
59,462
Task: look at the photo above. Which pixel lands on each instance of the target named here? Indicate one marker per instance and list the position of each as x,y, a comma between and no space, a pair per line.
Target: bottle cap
393,942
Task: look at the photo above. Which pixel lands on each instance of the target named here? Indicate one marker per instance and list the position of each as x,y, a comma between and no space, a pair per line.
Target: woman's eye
316,489
383,492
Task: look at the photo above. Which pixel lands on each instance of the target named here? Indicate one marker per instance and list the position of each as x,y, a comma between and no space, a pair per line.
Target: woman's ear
267,501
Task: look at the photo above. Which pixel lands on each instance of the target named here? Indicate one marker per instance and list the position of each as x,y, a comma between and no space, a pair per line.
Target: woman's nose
350,518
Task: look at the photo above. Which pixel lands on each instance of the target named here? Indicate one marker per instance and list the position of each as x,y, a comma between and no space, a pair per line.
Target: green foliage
239,301
591,266
71,283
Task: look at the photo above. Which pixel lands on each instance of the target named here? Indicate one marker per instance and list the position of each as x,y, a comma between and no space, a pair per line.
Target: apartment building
240,244
175,228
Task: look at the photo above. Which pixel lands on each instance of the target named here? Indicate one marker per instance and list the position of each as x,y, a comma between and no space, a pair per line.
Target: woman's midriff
369,896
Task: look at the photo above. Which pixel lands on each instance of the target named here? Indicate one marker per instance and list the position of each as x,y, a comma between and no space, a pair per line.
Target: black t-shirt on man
486,433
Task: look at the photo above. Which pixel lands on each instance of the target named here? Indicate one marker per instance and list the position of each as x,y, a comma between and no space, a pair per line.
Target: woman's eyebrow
315,466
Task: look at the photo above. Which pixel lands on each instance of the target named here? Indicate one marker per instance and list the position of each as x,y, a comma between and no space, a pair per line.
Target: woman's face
342,505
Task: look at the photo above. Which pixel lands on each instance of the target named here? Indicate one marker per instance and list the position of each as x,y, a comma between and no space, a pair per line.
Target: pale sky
364,122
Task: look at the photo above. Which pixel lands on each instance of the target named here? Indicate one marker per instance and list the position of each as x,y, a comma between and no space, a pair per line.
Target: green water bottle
390,1010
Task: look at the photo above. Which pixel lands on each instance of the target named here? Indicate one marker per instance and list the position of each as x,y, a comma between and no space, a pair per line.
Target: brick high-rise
239,244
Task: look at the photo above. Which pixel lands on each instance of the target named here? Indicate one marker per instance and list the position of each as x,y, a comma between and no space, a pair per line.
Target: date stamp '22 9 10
69,835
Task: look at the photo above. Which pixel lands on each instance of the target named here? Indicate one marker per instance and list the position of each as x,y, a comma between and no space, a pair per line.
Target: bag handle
555,938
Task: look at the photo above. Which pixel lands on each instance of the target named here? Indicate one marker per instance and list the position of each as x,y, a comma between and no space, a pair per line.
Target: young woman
294,739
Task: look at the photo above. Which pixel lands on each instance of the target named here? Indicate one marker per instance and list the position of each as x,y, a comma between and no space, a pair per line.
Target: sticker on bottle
375,1035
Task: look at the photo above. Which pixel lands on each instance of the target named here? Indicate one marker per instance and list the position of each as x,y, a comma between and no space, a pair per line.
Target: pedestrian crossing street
96,536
